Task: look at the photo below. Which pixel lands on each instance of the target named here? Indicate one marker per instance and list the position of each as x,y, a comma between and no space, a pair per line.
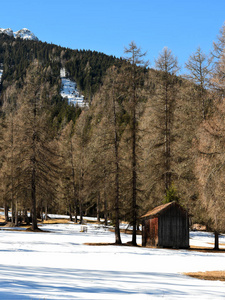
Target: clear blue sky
110,25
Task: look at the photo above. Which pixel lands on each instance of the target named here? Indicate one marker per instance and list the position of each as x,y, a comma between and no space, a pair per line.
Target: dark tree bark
105,210
73,181
216,240
98,207
46,211
33,178
6,210
33,199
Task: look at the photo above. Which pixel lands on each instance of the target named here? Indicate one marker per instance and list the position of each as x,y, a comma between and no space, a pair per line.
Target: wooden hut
166,226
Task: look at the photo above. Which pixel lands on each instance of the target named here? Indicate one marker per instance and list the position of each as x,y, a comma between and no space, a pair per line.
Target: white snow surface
69,90
57,265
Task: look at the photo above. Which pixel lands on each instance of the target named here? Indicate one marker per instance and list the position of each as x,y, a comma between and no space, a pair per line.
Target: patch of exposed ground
111,244
2,219
35,230
56,221
206,249
209,275
127,231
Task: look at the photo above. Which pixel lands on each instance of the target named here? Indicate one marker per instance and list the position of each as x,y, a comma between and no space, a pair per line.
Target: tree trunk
81,197
46,211
33,199
70,213
33,175
216,241
12,173
116,152
16,213
13,213
74,184
167,140
6,209
42,213
81,211
98,208
26,218
134,176
105,211
75,211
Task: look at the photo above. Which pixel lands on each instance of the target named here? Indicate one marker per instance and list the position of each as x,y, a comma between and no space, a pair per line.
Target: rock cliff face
24,33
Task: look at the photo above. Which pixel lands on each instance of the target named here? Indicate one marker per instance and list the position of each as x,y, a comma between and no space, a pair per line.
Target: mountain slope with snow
24,33
1,71
69,90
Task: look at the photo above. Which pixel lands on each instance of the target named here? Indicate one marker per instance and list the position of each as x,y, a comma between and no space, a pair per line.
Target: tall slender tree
219,45
67,147
210,162
38,156
218,72
108,136
10,151
199,66
134,81
81,158
210,169
167,64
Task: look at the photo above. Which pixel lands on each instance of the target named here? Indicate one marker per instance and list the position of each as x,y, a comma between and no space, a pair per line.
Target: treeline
148,137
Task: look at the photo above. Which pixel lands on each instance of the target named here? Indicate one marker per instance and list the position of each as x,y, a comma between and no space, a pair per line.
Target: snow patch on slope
1,72
69,90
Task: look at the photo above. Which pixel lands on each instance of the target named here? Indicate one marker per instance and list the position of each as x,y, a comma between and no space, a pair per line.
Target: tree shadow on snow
43,283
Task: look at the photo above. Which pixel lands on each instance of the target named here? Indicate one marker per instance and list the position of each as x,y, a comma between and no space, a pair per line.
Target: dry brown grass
127,231
2,219
111,244
56,221
209,275
206,249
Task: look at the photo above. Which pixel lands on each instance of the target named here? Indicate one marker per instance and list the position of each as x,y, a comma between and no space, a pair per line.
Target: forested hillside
86,67
148,136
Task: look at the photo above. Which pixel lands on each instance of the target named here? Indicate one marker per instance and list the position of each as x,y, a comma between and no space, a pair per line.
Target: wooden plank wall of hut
173,229
150,232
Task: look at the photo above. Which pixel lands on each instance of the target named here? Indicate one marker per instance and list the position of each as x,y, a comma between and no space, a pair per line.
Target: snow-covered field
57,265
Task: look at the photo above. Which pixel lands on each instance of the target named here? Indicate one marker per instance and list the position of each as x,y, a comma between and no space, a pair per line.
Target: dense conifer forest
147,137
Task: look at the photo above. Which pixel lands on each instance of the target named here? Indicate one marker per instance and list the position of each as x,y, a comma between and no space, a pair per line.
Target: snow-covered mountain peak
1,72
24,33
7,31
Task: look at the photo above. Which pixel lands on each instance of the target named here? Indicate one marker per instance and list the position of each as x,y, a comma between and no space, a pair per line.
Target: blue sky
110,25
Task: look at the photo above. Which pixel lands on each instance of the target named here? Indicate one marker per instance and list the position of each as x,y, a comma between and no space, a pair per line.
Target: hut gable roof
160,209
